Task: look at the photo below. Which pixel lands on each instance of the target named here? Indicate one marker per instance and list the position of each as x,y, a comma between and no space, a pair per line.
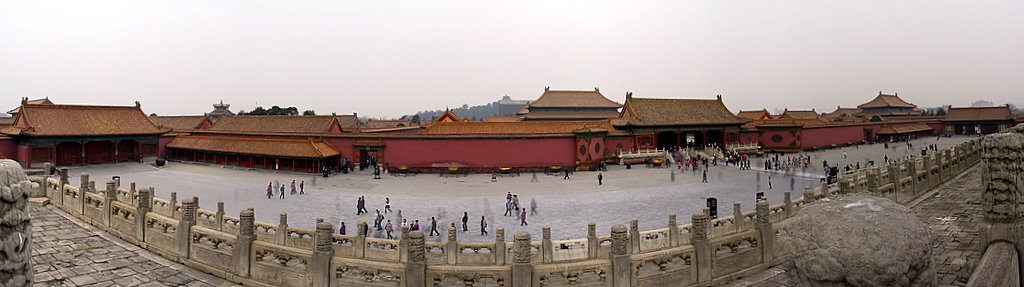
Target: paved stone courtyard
648,195
68,252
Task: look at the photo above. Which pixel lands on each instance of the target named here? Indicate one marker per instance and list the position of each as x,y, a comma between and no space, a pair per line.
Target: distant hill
503,107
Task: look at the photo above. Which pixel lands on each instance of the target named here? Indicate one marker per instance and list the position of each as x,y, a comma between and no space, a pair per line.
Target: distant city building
571,105
508,107
220,109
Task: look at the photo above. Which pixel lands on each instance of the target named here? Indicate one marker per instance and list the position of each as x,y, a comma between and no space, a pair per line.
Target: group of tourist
512,207
272,186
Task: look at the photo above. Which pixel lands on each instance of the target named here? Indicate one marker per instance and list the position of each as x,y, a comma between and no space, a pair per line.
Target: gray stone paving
567,206
954,213
66,252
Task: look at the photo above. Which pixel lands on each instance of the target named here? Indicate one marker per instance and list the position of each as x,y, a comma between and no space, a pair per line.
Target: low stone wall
703,252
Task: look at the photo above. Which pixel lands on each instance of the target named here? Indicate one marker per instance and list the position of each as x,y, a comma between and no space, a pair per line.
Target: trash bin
161,162
627,166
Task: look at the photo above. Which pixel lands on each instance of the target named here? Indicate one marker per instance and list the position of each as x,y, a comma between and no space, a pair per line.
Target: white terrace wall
704,252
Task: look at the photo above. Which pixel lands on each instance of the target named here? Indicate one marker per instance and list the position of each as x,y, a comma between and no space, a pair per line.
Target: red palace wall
9,148
826,137
614,144
779,139
161,148
479,152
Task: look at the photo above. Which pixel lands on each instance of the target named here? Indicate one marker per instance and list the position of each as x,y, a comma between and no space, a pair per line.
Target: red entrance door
126,150
69,153
99,152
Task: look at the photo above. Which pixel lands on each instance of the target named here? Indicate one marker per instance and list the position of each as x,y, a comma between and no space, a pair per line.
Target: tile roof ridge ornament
597,89
547,88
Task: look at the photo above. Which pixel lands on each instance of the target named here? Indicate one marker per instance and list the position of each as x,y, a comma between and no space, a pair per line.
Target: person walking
388,228
293,187
769,182
566,174
508,208
433,226
844,155
704,179
522,218
599,178
533,206
302,187
387,205
465,221
515,201
270,190
341,230
483,226
359,205
282,191
378,219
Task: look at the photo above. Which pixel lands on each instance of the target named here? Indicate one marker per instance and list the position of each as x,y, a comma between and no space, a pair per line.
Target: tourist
302,186
387,205
282,191
844,155
433,226
522,218
769,182
508,207
366,228
599,178
415,226
270,190
566,174
483,226
405,223
494,177
293,187
377,219
465,221
508,196
705,177
341,230
534,178
388,228
515,201
533,206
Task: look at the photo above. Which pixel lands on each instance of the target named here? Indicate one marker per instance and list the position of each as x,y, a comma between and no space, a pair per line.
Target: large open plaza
567,206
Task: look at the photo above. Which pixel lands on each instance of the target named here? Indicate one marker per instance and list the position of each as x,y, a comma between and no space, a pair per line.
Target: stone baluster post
701,246
453,246
242,254
894,178
824,190
320,269
42,192
873,174
282,229
547,251
788,203
522,269
131,193
183,234
764,227
63,183
109,197
592,243
359,246
911,168
92,186
621,269
673,231
83,189
220,216
83,182
403,244
416,266
499,246
634,236
737,216
947,162
173,205
145,206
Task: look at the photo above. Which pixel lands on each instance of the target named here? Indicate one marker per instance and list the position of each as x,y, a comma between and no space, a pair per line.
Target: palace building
571,105
79,134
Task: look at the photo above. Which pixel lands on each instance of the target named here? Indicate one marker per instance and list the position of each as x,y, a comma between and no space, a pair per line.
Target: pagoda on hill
220,109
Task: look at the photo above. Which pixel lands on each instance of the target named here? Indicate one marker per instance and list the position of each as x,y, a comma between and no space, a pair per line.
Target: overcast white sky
389,58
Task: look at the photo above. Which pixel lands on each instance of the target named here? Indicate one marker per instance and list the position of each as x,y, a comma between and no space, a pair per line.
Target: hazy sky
389,58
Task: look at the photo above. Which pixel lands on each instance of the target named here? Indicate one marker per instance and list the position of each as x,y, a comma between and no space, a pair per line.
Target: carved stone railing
702,252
